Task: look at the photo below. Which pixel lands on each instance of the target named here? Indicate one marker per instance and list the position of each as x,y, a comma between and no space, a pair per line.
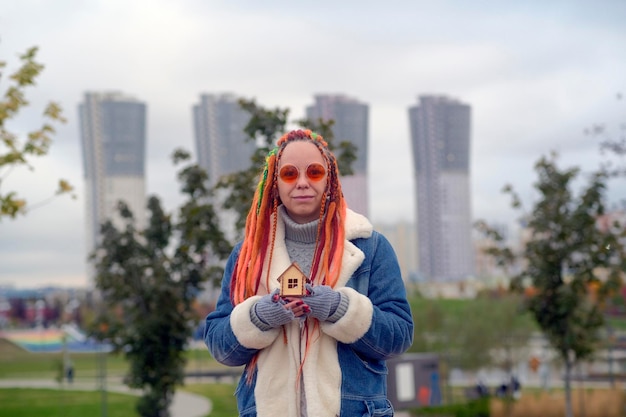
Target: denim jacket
345,372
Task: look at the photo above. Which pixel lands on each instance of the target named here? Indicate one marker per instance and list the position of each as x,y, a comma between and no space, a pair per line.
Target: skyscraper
440,138
221,145
113,138
351,124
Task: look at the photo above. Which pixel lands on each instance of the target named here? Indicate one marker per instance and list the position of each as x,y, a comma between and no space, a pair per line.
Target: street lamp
102,370
611,339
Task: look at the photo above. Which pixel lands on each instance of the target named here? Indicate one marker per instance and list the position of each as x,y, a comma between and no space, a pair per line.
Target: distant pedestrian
69,373
502,390
481,389
544,374
515,387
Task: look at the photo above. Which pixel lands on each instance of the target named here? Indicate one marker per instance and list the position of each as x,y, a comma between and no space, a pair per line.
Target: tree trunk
448,383
568,389
581,389
509,393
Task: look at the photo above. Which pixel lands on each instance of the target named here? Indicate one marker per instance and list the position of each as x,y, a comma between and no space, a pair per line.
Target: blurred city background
445,103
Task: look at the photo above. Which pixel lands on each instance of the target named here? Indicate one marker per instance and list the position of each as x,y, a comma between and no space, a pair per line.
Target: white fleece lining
322,377
276,391
357,320
245,331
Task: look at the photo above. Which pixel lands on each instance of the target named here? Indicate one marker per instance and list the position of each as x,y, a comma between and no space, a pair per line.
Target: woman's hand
297,306
322,301
271,311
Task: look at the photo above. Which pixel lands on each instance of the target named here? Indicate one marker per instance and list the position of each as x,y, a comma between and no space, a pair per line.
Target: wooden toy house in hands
293,282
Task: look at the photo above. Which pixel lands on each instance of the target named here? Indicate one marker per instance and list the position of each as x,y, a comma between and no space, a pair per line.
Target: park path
184,404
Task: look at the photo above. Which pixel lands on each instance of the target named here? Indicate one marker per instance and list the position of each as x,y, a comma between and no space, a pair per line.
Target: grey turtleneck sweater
300,241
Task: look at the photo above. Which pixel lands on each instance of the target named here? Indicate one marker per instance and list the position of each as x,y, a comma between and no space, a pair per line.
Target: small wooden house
293,282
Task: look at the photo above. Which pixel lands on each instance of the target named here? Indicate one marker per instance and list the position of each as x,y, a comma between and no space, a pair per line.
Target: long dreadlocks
258,244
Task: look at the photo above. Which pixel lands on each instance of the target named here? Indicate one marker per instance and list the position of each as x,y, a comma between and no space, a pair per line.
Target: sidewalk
184,404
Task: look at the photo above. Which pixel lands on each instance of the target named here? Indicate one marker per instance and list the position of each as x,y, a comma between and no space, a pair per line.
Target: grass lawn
26,402
222,397
16,363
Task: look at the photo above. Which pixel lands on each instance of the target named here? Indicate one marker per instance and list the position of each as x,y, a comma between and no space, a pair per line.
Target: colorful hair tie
261,186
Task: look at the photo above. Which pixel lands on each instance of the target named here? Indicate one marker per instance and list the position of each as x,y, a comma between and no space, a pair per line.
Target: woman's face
303,197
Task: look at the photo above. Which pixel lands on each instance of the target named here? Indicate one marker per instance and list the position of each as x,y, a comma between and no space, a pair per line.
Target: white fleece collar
276,389
357,226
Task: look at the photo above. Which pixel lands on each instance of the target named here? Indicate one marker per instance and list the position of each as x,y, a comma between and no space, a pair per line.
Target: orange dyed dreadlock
259,244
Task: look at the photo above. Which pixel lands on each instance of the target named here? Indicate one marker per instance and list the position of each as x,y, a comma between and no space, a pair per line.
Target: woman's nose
302,180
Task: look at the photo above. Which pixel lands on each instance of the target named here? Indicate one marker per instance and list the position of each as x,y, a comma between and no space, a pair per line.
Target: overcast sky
536,74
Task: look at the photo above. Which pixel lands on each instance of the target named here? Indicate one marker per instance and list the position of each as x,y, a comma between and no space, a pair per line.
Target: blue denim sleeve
391,330
218,333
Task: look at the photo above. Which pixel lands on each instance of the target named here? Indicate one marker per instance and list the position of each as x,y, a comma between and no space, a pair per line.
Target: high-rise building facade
221,145
440,138
113,138
351,124
402,236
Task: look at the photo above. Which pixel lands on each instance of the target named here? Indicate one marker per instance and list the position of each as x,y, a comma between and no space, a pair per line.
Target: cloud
536,75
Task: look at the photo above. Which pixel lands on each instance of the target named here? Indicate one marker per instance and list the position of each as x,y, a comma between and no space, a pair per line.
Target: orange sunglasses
290,173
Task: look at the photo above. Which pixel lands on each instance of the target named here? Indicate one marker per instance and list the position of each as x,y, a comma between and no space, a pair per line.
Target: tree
612,142
345,151
148,280
492,331
472,334
15,152
265,127
571,264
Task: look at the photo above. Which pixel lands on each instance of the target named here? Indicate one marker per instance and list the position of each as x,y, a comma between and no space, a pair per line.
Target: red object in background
423,395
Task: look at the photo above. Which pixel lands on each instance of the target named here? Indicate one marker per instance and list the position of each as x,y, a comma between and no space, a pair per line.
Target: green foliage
468,333
612,141
471,334
567,255
474,408
148,280
345,151
265,127
15,152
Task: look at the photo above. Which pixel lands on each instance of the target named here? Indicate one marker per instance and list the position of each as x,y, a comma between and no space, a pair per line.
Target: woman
322,354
